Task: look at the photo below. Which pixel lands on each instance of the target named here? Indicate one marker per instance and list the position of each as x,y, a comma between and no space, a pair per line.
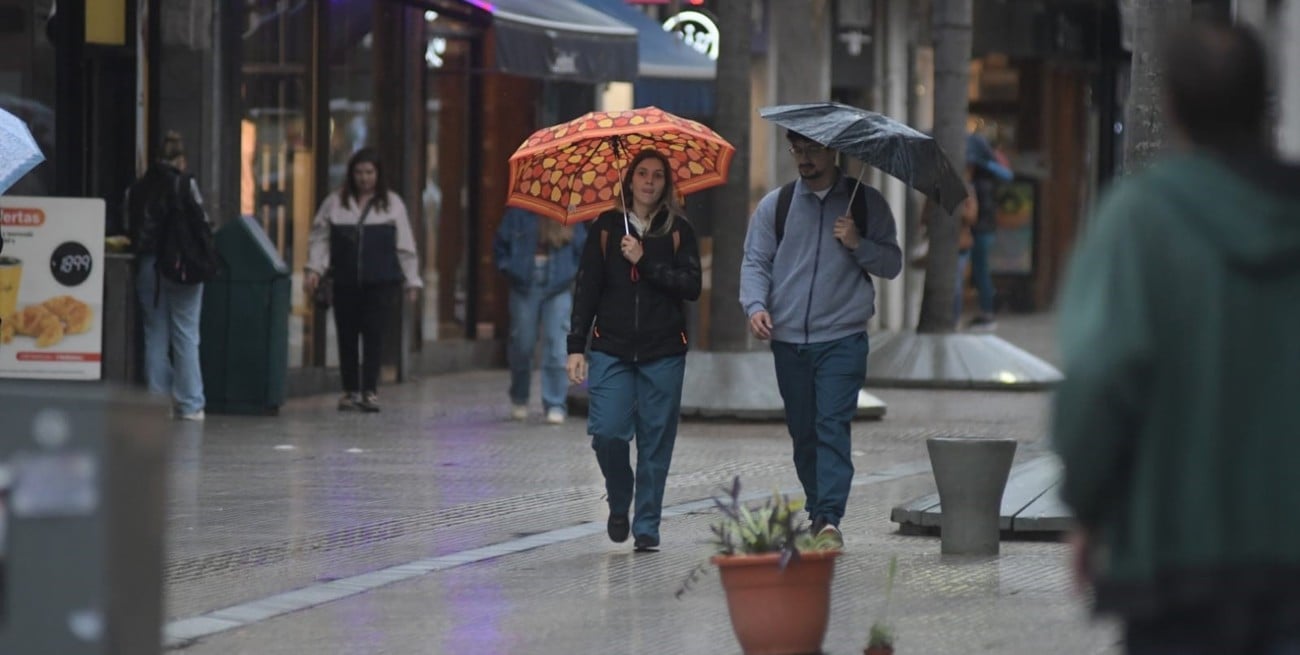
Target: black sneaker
618,528
369,402
644,544
350,402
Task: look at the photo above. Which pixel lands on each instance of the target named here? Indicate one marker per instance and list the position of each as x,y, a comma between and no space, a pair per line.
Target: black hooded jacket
150,200
637,316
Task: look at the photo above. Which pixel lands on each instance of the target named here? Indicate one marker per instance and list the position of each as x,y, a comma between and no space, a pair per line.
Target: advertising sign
51,288
1013,248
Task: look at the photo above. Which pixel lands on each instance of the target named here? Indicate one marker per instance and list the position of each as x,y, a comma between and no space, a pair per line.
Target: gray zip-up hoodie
811,285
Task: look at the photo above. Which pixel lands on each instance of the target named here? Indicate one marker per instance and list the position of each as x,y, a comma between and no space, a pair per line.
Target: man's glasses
807,151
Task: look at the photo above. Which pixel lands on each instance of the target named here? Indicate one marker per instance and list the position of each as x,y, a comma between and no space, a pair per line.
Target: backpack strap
783,199
677,240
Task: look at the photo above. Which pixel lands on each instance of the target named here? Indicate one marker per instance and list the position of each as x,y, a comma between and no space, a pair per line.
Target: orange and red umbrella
571,172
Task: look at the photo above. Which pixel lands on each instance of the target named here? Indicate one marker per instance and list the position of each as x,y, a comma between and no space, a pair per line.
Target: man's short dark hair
1216,80
793,137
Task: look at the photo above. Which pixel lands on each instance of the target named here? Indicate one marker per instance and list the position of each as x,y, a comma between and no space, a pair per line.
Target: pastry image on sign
48,322
11,277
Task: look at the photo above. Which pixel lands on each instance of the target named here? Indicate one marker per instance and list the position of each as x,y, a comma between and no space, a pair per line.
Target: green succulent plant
773,527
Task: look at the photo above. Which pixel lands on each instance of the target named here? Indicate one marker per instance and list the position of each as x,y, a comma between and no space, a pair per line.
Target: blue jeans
963,258
171,337
529,311
980,273
642,399
819,385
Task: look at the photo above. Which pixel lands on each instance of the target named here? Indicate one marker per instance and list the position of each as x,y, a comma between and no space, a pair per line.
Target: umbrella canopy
878,140
19,153
571,172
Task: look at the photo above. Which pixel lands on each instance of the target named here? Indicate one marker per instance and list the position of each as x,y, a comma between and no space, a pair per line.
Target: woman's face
364,176
648,181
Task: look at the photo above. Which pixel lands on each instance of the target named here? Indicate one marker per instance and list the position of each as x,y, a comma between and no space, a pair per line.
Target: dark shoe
644,544
982,324
618,528
350,402
369,402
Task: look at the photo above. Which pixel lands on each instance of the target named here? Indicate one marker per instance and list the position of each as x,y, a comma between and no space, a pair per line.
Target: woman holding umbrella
640,265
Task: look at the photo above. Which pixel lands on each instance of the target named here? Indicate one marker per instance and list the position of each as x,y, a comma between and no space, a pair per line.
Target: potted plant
880,640
776,574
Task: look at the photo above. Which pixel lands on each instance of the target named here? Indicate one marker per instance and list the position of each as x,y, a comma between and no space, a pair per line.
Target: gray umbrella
878,140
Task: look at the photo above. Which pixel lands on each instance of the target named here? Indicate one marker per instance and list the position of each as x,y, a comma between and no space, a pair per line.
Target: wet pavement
437,526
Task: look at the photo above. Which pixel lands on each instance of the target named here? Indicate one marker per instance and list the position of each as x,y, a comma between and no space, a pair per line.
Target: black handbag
324,294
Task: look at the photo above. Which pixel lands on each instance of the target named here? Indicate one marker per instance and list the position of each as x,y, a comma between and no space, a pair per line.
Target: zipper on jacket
817,257
361,241
636,321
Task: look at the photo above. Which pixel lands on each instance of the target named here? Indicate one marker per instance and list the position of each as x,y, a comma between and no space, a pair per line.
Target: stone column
799,67
894,32
1289,80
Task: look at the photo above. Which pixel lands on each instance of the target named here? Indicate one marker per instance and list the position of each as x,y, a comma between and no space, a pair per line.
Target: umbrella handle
616,144
857,184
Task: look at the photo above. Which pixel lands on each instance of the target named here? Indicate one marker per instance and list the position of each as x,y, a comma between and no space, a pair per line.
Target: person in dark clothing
1177,419
363,236
169,310
984,172
639,266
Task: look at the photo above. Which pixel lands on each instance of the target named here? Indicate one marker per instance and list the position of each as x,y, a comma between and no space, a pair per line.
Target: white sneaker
833,535
195,416
555,416
518,412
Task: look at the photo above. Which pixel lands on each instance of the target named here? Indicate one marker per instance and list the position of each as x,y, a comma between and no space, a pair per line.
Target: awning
561,40
660,53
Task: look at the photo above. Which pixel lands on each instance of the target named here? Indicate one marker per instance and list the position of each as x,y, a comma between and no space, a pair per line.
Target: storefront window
27,82
351,83
447,63
277,169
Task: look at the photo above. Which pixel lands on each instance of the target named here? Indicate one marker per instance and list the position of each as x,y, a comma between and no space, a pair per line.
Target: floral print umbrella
571,172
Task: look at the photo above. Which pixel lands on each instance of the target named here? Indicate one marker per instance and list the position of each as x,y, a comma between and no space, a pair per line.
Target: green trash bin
244,331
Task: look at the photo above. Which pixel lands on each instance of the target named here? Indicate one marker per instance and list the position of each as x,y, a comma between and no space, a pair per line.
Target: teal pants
641,400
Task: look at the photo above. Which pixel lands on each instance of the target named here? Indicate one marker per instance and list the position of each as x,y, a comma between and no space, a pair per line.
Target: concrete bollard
971,474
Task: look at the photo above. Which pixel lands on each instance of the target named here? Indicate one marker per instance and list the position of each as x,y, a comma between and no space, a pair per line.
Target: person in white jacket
362,236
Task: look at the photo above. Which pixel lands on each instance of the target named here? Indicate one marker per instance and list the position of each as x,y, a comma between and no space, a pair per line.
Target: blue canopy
660,53
561,39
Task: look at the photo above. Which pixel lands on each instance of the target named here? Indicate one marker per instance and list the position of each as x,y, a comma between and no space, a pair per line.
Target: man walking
804,286
1178,421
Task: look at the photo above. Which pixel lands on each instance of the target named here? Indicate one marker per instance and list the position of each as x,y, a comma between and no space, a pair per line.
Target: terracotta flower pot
879,650
776,612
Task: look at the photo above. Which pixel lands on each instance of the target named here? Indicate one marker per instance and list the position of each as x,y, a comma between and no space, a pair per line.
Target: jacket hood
1249,205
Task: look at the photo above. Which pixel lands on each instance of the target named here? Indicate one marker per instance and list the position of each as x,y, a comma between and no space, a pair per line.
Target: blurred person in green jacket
1178,422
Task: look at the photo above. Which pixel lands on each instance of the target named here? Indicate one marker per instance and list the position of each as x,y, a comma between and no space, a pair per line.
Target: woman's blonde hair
552,234
667,200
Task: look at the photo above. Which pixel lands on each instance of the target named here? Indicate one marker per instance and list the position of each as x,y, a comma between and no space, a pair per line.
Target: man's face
814,160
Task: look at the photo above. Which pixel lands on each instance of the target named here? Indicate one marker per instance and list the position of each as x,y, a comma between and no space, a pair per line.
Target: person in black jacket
640,264
362,236
169,310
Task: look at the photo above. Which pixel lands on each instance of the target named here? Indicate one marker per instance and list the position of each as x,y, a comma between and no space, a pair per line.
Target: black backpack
187,253
858,208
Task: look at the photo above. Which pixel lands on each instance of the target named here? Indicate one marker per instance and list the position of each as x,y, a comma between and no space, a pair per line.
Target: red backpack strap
604,240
